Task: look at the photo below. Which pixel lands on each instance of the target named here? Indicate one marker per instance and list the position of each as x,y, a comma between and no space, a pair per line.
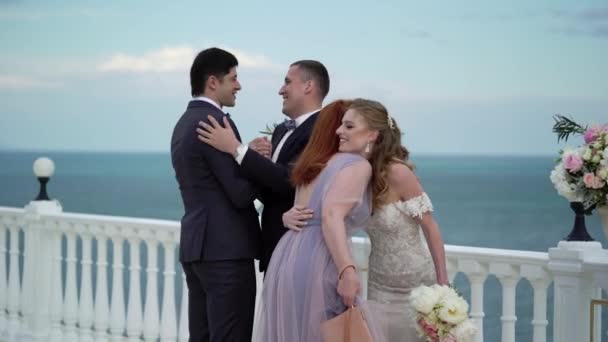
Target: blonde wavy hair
386,150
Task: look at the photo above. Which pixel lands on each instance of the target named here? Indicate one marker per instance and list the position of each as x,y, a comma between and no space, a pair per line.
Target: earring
367,147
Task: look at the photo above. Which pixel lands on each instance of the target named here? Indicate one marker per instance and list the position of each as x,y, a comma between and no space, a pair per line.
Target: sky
469,77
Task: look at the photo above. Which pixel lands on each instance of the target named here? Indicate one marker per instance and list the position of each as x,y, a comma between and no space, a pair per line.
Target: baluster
26,289
168,323
452,269
102,308
597,319
85,313
477,274
134,315
117,313
3,285
56,309
151,316
539,279
508,276
183,333
70,309
13,282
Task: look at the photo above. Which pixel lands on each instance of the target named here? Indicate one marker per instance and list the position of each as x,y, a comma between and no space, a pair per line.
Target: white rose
596,159
424,299
563,187
444,291
453,310
587,154
603,173
464,331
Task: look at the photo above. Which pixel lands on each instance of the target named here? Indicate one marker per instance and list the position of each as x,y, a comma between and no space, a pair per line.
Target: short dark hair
210,62
315,70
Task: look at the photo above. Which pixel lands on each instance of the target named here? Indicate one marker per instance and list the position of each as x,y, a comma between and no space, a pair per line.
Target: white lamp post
43,169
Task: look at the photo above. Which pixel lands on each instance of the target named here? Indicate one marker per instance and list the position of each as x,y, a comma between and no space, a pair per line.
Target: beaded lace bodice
399,259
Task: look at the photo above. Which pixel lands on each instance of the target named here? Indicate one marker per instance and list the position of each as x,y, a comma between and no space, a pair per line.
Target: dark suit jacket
277,192
220,220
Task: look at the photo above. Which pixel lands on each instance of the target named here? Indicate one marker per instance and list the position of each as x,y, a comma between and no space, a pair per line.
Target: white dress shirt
241,150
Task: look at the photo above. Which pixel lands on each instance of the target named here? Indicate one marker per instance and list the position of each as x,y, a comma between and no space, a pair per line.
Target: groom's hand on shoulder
218,136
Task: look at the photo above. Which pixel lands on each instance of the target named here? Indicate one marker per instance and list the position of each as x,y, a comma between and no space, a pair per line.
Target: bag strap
347,324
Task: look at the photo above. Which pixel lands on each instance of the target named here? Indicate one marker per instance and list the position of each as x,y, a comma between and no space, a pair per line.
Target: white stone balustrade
77,285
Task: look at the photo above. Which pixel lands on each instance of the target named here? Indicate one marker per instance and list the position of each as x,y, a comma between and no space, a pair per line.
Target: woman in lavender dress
311,277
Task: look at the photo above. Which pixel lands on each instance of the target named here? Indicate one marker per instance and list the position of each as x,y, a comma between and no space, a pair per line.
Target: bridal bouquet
581,174
441,314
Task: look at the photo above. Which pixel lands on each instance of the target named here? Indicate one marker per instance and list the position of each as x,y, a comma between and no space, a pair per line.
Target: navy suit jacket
220,221
273,180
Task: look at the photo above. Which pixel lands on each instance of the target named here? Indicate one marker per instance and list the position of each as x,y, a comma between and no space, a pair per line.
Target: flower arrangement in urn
581,173
441,314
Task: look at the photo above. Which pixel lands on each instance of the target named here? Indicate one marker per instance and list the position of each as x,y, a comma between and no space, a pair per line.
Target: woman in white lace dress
407,249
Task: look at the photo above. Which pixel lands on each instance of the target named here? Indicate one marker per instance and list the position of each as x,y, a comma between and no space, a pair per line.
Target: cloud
25,82
162,60
591,22
254,61
594,14
16,13
596,32
420,34
172,59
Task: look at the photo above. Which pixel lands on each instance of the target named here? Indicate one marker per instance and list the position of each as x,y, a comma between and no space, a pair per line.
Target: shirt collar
300,119
206,99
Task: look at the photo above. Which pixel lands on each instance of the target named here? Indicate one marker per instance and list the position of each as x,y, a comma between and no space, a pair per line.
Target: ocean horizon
505,202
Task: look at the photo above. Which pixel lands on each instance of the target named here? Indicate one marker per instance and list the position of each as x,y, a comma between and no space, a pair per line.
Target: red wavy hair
322,145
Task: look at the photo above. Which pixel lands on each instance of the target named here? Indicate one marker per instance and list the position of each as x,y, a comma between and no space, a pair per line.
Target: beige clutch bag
349,326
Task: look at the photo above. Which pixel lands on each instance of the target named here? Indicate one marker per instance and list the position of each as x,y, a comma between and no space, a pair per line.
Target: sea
505,202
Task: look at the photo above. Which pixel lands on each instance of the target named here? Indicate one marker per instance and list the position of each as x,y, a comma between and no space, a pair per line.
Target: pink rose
594,132
573,163
592,181
429,329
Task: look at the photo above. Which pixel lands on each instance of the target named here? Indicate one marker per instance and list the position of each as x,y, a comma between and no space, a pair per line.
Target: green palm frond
564,126
269,129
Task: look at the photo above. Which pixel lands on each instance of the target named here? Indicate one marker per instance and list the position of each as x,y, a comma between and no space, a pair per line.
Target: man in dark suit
306,86
220,231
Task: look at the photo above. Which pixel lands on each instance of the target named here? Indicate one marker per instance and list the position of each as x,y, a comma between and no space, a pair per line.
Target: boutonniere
269,129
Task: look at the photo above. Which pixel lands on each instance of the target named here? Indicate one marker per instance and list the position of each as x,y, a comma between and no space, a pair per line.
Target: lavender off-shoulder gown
300,285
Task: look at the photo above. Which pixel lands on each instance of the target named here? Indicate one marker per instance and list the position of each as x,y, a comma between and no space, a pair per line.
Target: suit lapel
236,131
277,135
296,138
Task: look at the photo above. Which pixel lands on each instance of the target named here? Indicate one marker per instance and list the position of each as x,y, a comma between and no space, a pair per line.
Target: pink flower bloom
594,132
592,181
573,163
429,329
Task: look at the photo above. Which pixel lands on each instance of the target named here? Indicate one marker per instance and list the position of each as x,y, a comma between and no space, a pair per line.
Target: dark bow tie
290,124
227,115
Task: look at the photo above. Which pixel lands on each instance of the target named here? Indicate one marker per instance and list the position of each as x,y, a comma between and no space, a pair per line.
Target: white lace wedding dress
399,261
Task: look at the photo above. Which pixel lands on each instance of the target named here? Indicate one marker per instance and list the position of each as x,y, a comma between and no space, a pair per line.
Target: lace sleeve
416,206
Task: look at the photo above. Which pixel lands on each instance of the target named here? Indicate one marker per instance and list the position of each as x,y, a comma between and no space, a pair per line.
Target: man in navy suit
306,86
220,230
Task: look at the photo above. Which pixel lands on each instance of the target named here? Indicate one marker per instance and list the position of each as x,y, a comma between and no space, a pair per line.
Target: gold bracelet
344,269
